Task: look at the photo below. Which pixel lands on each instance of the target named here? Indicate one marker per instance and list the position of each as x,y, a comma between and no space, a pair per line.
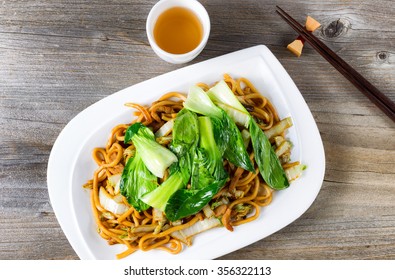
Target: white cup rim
198,9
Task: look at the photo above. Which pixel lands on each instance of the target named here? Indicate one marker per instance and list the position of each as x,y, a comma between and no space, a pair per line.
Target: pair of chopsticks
377,97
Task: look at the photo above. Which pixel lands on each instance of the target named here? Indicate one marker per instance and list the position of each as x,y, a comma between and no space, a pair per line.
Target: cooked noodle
238,202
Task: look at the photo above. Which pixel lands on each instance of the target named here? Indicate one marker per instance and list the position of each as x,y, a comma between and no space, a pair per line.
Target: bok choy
141,171
227,135
137,180
208,176
155,157
185,140
268,162
158,197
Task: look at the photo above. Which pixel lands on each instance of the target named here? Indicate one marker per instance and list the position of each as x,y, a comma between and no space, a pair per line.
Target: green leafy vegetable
268,163
227,135
185,133
158,197
239,117
208,176
224,98
137,180
207,142
200,103
236,151
267,160
185,140
155,157
187,202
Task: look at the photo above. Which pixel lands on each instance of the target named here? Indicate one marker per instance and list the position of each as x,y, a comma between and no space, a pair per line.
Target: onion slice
112,204
200,226
165,129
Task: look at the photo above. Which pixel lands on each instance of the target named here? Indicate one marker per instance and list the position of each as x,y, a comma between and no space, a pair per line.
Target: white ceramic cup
162,6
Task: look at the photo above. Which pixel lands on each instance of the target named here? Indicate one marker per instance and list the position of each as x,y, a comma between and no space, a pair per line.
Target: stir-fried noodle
238,202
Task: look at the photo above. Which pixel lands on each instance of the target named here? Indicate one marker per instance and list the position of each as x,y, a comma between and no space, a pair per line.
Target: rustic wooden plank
58,57
29,235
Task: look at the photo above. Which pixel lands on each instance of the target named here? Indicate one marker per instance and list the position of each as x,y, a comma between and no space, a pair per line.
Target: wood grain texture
58,57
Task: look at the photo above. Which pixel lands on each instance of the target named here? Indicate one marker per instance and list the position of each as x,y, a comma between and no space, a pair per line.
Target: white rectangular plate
71,165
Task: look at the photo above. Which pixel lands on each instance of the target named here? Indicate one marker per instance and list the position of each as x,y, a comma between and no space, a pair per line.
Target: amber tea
178,30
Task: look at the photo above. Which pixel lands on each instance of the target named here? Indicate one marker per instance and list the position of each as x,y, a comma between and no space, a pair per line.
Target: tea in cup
178,30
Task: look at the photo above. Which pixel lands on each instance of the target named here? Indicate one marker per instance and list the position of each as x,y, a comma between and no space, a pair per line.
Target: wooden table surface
58,57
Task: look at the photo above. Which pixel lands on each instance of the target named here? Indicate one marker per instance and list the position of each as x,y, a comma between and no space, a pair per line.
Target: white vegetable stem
165,129
112,204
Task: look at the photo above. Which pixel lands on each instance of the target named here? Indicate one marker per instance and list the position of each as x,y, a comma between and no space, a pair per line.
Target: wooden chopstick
376,96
